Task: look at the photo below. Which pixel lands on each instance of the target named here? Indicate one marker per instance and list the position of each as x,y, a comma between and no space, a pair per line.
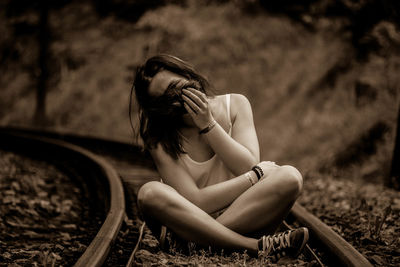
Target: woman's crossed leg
261,207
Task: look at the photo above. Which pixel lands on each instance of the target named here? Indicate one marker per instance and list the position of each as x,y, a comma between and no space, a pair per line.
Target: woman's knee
292,180
150,195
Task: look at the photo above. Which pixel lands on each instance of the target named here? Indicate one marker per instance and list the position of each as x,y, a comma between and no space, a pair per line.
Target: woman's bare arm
240,151
211,198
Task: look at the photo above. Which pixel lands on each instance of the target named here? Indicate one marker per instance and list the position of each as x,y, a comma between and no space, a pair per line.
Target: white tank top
211,171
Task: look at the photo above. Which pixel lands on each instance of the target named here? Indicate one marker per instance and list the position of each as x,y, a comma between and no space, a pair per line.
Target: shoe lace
276,243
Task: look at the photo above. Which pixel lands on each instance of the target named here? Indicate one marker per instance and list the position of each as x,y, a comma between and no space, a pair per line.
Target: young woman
214,190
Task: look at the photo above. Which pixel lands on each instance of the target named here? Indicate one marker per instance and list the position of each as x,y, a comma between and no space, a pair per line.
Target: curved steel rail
106,176
338,248
339,251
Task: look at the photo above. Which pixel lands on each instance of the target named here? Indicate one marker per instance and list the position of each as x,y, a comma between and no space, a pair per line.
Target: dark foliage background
321,74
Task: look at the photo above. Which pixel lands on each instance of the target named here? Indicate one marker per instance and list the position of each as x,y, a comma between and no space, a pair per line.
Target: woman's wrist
209,127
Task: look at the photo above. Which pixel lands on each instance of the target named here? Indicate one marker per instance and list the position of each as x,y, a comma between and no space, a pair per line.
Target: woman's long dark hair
160,117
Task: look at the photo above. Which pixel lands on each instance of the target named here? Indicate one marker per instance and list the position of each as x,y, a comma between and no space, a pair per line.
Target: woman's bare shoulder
239,99
236,99
239,104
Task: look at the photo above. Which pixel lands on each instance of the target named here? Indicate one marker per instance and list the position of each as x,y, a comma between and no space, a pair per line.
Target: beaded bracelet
248,175
259,172
209,127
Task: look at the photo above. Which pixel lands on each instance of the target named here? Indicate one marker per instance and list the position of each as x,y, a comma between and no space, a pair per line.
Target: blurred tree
129,10
395,171
361,16
29,23
42,83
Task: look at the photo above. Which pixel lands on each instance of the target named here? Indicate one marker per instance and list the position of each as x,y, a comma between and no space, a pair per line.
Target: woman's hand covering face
196,104
169,105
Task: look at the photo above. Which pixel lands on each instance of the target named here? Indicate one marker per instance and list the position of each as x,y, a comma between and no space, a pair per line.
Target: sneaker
289,243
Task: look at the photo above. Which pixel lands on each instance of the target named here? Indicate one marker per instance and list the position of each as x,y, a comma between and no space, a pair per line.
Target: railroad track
98,177
120,158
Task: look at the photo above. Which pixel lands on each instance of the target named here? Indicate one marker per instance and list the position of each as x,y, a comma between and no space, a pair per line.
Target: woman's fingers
196,98
268,167
198,93
189,109
191,104
197,106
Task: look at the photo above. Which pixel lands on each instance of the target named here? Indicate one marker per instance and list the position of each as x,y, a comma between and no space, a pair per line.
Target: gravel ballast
45,216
